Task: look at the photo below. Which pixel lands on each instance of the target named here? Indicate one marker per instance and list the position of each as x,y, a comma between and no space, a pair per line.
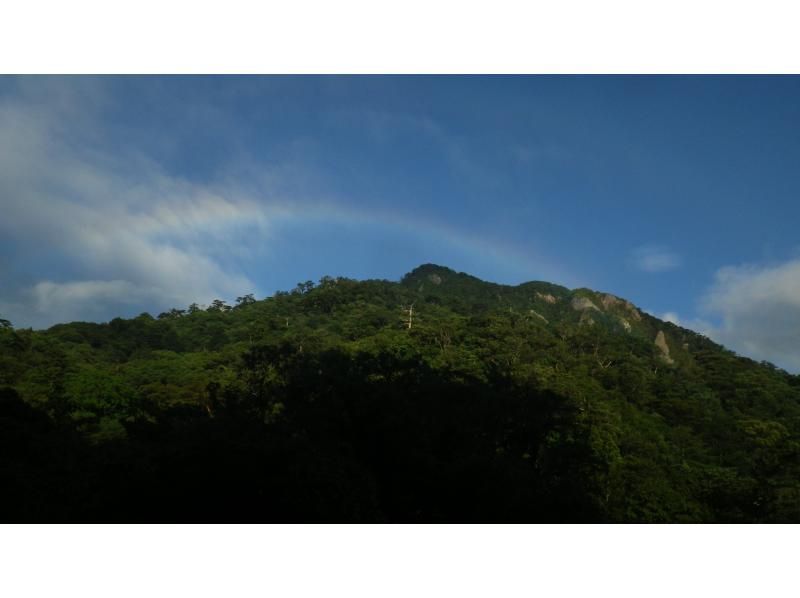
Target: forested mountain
438,398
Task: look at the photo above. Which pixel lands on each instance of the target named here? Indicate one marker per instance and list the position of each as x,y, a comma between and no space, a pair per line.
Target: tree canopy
497,403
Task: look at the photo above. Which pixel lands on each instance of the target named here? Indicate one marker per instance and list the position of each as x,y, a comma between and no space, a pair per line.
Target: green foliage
498,403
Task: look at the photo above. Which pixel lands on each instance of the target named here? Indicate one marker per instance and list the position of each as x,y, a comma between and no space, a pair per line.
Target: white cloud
672,317
654,258
87,298
121,230
97,228
698,325
49,294
759,311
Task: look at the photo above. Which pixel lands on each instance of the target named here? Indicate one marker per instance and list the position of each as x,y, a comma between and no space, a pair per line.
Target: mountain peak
425,270
441,381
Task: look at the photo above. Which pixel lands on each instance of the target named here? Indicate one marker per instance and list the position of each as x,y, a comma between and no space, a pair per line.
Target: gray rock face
435,279
609,301
581,303
547,298
633,311
661,344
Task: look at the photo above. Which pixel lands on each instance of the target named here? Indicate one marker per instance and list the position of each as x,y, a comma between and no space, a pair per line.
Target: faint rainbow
530,264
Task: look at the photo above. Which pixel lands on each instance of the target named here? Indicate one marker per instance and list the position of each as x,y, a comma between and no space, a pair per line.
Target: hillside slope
438,398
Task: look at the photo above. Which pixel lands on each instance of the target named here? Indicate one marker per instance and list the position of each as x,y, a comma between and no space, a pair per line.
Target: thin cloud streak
654,258
131,239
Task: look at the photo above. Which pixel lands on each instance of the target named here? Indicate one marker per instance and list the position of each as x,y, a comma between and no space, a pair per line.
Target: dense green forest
438,398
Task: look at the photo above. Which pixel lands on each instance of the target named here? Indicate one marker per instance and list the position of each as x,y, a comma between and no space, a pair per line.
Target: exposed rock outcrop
661,344
546,297
435,279
609,301
633,311
581,303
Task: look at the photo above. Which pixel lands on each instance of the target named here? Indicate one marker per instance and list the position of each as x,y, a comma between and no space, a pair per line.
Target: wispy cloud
654,258
759,311
98,227
698,325
128,232
754,310
671,317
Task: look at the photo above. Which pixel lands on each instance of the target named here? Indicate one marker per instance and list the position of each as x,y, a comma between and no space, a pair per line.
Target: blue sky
131,194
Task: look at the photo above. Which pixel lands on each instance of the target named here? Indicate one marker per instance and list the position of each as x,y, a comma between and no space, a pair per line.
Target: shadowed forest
441,398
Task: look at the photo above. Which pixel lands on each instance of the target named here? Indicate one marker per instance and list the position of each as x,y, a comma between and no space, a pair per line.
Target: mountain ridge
547,293
440,397
619,313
